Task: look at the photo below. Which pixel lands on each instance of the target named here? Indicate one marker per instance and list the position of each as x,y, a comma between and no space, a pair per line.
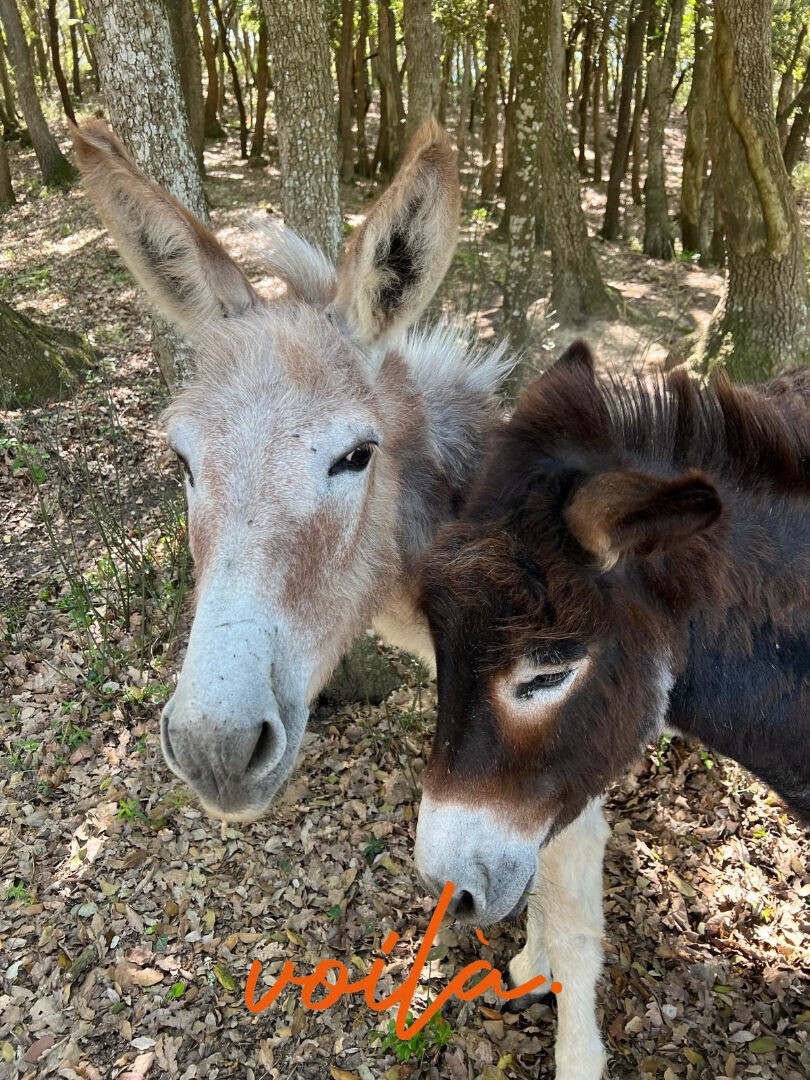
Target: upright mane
760,434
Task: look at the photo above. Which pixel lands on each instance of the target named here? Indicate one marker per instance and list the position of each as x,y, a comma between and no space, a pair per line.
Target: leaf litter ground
128,921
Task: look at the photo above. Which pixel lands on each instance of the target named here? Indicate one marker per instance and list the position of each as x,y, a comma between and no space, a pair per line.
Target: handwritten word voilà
402,997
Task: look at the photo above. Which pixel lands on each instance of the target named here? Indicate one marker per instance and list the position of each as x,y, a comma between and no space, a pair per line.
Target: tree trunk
444,82
187,50
587,50
8,94
54,166
6,190
38,363
362,92
661,71
489,133
762,323
786,89
234,73
697,119
150,116
392,112
56,60
462,129
632,62
73,15
306,129
262,83
344,65
39,36
577,289
212,127
639,103
420,52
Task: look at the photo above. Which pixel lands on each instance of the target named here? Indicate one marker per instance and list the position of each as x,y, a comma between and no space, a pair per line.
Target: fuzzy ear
578,357
179,263
399,255
621,513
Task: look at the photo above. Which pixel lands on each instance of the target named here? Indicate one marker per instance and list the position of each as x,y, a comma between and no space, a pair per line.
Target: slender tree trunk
74,49
262,83
697,120
213,129
8,94
787,87
392,112
587,63
306,129
661,71
362,92
40,36
444,82
632,62
6,190
38,363
420,51
56,60
187,50
640,99
489,134
344,64
53,164
463,128
762,323
234,73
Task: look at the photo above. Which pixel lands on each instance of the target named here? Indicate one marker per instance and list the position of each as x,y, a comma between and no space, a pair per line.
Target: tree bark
54,166
762,323
234,73
306,130
618,166
344,65
38,363
6,190
212,127
262,85
489,133
187,50
73,15
392,112
661,71
587,63
362,92
462,129
420,51
8,94
697,123
56,60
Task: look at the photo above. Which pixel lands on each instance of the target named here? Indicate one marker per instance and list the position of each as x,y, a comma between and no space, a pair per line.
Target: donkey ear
399,255
577,357
182,267
622,513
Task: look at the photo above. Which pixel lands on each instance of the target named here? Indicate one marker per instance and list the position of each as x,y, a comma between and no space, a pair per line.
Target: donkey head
555,603
290,436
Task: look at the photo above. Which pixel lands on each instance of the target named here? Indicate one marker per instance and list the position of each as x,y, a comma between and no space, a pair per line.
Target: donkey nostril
263,748
463,905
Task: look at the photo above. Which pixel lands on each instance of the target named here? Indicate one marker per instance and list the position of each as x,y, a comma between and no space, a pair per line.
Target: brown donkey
631,556
323,445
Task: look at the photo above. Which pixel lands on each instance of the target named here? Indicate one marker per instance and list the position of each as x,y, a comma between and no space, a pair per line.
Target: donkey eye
547,680
186,469
355,461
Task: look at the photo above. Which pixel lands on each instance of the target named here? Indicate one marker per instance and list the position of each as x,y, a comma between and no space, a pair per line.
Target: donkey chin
492,866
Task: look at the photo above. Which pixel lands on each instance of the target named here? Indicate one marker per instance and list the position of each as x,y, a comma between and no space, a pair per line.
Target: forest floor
129,921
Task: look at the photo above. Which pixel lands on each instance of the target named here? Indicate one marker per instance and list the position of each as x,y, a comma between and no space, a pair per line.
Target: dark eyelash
544,681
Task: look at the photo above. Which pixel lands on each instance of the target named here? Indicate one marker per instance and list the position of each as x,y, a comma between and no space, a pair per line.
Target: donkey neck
745,689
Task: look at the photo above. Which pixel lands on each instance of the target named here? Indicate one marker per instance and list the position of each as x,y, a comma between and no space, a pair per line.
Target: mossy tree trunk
697,126
762,323
37,363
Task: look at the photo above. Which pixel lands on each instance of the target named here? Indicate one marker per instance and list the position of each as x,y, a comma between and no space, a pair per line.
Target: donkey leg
533,958
565,936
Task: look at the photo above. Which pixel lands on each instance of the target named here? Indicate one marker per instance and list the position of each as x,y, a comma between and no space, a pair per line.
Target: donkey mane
733,433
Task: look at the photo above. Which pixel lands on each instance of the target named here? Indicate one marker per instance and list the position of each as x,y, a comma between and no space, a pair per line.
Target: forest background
633,172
